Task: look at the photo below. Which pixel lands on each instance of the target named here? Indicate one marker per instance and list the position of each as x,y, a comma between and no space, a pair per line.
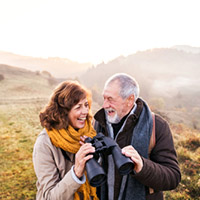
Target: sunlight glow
96,31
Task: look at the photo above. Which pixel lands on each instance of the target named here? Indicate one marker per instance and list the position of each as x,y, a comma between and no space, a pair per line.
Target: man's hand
130,152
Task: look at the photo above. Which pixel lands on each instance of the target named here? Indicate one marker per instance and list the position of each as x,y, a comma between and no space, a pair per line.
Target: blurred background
45,42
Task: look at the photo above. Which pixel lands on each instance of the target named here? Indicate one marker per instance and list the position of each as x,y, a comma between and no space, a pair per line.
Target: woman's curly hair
66,95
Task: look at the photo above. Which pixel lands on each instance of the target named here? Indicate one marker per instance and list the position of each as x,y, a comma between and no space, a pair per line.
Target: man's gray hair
128,85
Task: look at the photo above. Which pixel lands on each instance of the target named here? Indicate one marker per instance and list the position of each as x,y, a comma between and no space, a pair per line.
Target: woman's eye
77,108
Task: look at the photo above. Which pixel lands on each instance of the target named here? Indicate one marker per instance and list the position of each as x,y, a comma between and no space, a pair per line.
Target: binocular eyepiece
95,173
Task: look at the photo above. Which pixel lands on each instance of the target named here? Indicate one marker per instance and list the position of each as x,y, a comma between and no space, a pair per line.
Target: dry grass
18,131
187,142
19,127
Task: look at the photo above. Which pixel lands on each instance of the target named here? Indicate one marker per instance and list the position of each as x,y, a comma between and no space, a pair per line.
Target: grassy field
19,127
187,143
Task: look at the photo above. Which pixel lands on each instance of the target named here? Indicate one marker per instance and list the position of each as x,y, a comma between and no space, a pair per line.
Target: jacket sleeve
49,183
161,172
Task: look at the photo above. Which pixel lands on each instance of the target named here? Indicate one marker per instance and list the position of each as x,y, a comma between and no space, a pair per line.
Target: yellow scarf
68,140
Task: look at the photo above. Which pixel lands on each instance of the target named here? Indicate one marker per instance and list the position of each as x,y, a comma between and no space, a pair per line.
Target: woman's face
78,114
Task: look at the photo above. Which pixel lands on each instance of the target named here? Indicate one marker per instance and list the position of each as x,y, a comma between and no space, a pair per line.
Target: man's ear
131,100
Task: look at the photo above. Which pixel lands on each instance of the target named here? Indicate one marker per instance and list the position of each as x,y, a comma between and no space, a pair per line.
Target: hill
188,49
18,84
58,67
22,95
151,65
168,78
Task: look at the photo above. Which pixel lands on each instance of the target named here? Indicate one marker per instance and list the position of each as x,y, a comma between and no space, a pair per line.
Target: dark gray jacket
160,172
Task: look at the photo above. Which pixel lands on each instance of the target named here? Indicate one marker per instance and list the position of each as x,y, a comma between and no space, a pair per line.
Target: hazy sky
96,31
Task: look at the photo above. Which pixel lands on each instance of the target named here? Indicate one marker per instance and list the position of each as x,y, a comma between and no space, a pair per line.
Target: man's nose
106,103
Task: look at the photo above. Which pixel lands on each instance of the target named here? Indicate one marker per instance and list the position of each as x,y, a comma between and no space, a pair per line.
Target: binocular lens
124,164
95,173
126,168
98,180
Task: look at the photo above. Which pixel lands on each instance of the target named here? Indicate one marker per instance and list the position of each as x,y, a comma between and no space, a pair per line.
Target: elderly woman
59,157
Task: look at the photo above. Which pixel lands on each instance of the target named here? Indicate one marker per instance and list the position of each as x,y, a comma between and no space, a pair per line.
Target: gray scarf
134,190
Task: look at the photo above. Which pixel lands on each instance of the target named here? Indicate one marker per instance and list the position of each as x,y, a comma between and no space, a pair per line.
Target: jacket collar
100,116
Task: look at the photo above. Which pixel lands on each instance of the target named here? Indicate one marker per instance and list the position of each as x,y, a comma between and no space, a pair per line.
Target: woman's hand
130,152
82,156
82,139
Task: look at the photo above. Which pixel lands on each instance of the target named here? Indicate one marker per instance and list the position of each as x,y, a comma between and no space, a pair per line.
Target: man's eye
110,99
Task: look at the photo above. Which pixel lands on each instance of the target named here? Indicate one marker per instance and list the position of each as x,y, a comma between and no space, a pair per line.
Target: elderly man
129,121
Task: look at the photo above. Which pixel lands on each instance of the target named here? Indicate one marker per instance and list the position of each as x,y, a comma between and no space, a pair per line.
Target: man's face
115,107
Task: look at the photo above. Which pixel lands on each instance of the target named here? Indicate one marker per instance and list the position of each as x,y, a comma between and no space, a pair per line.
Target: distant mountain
187,48
58,67
155,68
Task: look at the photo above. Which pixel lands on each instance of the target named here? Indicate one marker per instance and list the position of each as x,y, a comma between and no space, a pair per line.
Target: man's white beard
113,120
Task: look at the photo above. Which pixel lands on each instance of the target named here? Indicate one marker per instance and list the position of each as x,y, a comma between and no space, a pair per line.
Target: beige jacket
55,176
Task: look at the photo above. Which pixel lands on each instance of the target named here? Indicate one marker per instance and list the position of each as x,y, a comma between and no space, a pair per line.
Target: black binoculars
103,144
